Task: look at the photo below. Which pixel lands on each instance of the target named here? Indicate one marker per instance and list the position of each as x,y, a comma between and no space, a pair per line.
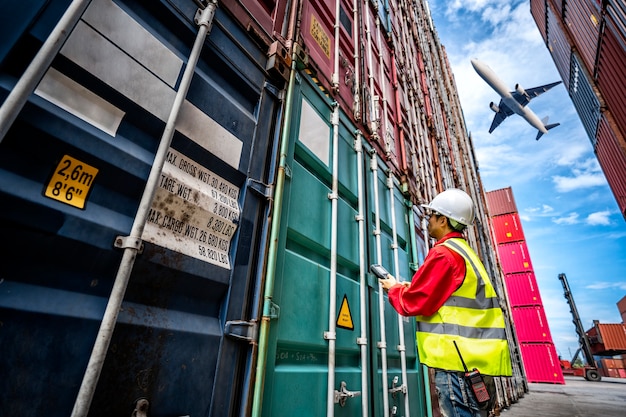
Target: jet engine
493,107
520,90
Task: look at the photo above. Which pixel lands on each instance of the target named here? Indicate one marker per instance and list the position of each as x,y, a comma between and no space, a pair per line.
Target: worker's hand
387,283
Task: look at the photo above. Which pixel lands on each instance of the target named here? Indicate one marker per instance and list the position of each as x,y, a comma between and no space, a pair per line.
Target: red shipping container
514,257
558,44
541,363
531,324
507,228
501,202
522,289
583,18
611,78
621,372
607,339
621,306
262,18
610,150
538,11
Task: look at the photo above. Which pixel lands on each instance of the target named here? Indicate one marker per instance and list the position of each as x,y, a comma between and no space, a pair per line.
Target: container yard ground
577,398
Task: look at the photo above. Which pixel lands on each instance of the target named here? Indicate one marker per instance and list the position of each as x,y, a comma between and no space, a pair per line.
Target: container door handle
343,394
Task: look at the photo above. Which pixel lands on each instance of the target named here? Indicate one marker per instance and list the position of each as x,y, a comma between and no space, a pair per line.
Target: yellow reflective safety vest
472,317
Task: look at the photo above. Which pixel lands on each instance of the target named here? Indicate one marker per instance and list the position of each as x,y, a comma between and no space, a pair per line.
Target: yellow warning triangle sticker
345,317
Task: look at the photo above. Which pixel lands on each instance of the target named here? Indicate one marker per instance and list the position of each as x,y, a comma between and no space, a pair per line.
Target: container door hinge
241,330
343,394
125,242
261,188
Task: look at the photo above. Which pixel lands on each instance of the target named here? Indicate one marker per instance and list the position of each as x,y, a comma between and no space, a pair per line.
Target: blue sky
570,218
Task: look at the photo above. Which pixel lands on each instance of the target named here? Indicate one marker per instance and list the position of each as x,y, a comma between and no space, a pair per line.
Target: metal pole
132,243
360,218
401,346
27,83
382,345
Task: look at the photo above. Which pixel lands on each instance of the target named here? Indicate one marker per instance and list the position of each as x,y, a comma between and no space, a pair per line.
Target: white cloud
599,218
571,219
603,285
578,181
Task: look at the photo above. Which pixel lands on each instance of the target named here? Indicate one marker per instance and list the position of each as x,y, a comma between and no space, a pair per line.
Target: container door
72,170
296,380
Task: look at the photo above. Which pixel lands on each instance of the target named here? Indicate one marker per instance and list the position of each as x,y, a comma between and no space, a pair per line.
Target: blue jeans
455,396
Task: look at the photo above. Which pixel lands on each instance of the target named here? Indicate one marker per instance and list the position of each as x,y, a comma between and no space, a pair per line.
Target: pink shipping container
501,202
622,372
611,153
514,257
522,289
531,324
507,228
541,363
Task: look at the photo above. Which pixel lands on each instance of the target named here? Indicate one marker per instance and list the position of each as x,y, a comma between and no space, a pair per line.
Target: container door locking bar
343,394
396,388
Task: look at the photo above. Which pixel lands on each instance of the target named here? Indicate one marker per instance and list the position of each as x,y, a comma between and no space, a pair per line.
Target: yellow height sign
344,320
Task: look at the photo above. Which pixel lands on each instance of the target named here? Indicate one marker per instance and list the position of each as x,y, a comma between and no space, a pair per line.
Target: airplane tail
548,127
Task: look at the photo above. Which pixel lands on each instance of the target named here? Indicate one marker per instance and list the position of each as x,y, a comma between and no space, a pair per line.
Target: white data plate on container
194,211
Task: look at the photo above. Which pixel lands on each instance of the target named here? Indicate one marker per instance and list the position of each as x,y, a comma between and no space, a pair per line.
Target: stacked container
587,41
193,192
541,361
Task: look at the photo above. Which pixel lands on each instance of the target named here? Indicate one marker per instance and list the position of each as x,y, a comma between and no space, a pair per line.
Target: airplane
514,101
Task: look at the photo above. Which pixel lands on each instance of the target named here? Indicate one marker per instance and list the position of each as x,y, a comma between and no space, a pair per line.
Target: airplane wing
503,112
531,93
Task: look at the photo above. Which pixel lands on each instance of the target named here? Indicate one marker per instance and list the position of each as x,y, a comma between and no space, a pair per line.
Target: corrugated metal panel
522,289
584,97
124,60
616,11
607,337
558,44
501,201
583,18
612,158
514,257
538,11
531,324
611,77
262,19
541,363
507,228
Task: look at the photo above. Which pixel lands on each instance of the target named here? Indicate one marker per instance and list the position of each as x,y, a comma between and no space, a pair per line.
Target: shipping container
621,307
193,195
531,324
611,153
611,77
501,202
541,363
514,257
538,12
75,167
522,289
607,339
584,97
558,44
583,20
507,228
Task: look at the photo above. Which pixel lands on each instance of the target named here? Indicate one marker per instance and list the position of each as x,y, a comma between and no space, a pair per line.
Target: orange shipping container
607,339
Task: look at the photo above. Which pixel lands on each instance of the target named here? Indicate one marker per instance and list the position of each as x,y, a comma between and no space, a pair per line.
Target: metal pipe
401,345
27,83
382,344
270,274
331,335
356,106
360,218
383,87
203,19
373,109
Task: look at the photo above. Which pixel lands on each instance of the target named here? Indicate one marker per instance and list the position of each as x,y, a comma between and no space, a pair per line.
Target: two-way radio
475,380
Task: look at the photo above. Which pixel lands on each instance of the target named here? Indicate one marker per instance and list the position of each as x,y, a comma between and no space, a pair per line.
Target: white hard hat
454,204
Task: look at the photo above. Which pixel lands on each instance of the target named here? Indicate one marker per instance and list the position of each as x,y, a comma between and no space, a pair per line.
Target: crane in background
589,371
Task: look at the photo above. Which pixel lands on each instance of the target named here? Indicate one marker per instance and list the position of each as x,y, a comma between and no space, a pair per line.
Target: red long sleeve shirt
441,274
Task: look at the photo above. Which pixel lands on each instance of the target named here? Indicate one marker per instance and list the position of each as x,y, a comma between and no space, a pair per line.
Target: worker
456,308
